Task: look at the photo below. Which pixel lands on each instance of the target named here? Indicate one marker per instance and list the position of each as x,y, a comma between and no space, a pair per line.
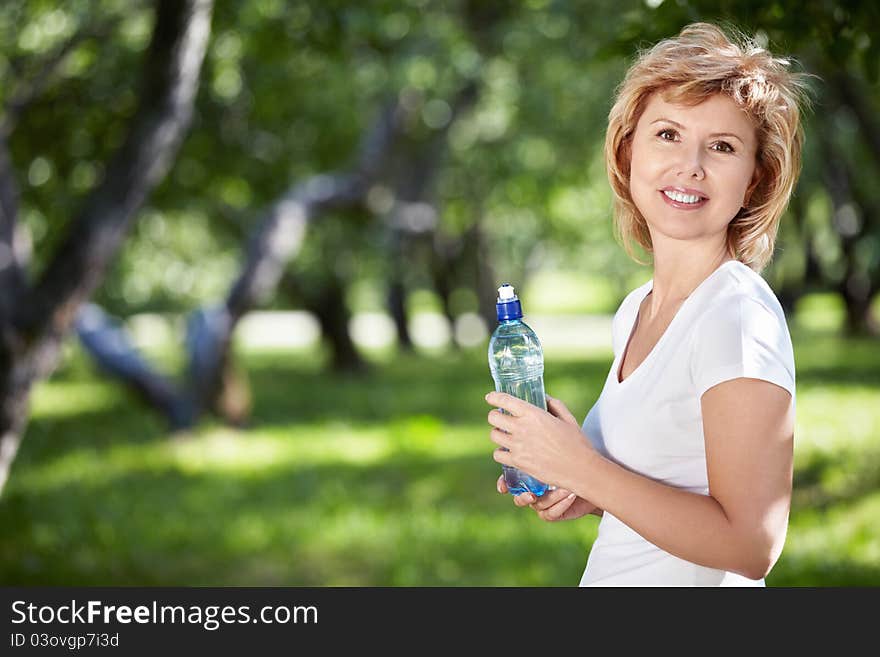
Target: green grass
384,480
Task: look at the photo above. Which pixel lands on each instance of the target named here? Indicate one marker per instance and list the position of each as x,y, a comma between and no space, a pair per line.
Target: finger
557,408
502,456
550,498
557,511
501,420
501,485
513,405
523,499
499,437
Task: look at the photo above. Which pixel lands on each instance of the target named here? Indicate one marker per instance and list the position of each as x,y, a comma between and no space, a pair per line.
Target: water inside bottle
516,362
531,390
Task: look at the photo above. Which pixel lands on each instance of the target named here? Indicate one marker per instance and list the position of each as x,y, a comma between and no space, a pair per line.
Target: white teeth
681,198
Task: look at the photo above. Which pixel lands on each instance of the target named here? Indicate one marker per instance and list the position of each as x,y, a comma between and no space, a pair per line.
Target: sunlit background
344,441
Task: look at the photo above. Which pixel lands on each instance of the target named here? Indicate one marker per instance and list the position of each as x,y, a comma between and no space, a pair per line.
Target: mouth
683,201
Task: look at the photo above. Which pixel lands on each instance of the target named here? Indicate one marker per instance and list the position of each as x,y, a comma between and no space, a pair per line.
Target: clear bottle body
516,362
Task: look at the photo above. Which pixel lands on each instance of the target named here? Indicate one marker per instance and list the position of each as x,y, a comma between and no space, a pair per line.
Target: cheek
746,179
643,175
645,166
735,193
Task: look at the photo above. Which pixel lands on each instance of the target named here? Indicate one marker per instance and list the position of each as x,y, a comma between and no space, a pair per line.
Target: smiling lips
683,198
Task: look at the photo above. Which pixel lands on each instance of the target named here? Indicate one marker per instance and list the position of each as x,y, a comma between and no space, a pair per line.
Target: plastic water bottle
516,362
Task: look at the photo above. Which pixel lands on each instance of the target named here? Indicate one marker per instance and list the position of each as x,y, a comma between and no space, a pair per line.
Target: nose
691,164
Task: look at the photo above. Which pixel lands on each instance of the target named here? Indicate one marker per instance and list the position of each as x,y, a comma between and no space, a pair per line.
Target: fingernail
571,497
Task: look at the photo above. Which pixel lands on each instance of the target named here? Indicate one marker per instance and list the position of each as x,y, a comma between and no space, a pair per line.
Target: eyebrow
714,134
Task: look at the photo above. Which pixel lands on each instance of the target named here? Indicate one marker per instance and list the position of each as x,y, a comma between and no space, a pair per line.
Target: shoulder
741,331
740,297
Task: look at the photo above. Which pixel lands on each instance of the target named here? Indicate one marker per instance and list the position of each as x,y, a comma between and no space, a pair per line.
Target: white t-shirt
730,326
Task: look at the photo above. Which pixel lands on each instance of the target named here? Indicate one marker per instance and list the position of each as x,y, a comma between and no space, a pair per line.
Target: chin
685,225
678,224
684,229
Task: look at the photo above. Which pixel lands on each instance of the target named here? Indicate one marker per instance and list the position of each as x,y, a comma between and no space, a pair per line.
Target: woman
688,457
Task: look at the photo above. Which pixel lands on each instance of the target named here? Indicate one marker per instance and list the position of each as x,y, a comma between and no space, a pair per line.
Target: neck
677,275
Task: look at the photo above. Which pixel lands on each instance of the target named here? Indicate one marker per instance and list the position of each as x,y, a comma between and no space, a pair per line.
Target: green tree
35,315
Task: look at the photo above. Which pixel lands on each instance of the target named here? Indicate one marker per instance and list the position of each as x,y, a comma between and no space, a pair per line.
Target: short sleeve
741,337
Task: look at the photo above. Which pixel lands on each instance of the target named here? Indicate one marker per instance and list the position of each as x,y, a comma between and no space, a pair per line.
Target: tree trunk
15,387
11,272
397,309
327,303
852,213
857,212
108,344
445,261
33,332
280,234
173,65
277,239
413,214
856,293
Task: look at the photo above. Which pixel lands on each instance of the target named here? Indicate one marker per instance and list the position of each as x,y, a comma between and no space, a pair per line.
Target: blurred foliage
346,482
288,88
287,91
399,475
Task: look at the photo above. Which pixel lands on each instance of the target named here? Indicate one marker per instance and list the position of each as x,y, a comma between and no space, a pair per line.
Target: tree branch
412,215
277,238
108,344
171,79
282,229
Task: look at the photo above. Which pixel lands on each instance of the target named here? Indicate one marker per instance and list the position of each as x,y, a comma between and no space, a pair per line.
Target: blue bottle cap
507,306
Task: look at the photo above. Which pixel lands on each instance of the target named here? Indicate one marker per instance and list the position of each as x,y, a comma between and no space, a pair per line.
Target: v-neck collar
649,287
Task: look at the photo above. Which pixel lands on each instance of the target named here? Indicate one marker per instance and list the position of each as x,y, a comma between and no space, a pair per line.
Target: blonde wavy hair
700,62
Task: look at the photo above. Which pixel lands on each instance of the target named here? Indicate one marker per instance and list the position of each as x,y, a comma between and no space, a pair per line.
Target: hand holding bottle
548,444
554,505
557,503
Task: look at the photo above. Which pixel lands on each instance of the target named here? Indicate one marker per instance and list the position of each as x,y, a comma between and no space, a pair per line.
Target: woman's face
691,167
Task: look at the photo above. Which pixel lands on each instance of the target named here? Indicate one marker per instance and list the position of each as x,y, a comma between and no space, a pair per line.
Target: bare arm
741,525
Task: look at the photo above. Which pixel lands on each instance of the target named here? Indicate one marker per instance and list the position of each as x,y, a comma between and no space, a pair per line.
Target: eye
724,147
667,131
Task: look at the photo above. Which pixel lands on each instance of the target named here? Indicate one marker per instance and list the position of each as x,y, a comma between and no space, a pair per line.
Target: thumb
557,408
